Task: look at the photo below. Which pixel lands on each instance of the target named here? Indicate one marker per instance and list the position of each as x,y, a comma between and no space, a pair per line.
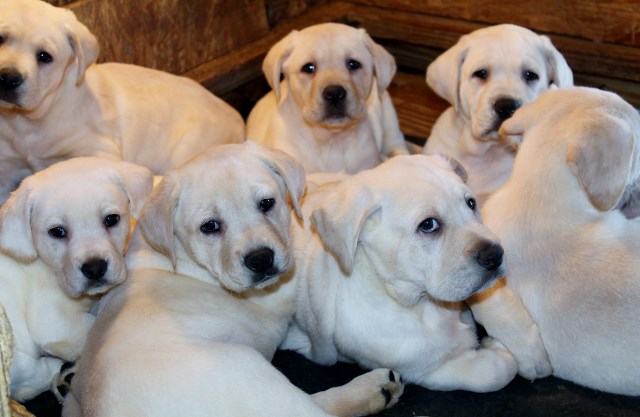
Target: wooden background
221,43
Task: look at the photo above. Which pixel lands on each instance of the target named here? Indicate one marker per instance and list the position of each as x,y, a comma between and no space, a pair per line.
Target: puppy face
498,69
330,69
75,217
423,237
227,212
40,47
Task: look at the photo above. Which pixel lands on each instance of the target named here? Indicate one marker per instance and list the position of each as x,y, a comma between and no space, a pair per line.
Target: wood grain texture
614,21
171,35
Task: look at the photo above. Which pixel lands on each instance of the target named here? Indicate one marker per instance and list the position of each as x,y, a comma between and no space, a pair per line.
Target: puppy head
330,70
493,71
75,217
423,237
41,47
595,133
227,212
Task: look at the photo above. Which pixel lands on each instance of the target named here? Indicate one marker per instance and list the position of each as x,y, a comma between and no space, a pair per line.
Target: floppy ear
340,218
384,65
560,74
84,45
455,165
601,160
137,182
156,221
287,168
275,59
443,74
16,238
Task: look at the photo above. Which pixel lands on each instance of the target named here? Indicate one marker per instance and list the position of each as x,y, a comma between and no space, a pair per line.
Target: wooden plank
438,33
616,21
171,35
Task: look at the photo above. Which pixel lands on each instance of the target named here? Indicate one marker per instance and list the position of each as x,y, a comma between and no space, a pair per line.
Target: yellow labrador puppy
208,301
332,110
55,103
384,270
573,262
63,234
486,77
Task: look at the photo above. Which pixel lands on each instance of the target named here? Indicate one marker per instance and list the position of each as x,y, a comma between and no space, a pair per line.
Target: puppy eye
429,225
471,202
1,40
481,74
111,220
266,204
44,58
308,68
58,232
210,227
353,65
530,76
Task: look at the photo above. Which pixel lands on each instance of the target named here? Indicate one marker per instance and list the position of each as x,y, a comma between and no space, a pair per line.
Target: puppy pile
172,299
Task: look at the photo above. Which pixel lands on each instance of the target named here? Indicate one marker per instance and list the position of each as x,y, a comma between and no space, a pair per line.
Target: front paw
531,355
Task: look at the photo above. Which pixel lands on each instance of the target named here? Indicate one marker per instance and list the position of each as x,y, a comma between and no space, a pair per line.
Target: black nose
10,79
505,107
490,256
334,94
260,261
94,269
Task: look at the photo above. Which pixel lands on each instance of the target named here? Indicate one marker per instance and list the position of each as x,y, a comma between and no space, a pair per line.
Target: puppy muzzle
10,82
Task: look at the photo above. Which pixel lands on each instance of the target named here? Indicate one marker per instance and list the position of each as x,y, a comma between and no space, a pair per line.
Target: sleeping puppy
208,302
55,103
384,270
332,110
63,233
573,262
486,77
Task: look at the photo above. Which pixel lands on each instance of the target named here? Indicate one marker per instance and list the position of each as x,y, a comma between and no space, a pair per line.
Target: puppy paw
61,384
366,394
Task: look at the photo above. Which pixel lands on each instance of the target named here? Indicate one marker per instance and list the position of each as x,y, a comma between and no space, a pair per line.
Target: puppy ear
137,182
384,65
16,238
287,168
443,74
340,218
156,221
275,59
84,45
600,158
560,74
455,165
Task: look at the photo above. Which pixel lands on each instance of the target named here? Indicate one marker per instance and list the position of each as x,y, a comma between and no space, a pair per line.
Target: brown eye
481,74
429,225
44,58
209,227
308,68
58,232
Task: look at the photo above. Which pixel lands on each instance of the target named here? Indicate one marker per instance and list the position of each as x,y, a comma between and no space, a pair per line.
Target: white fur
193,329
46,295
296,118
468,131
573,261
376,290
74,107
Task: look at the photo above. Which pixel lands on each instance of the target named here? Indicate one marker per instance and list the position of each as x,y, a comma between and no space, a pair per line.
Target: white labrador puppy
573,262
208,301
383,273
55,103
486,76
63,234
332,110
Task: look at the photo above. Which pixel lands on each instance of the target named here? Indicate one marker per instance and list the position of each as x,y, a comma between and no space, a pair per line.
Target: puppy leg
486,369
367,394
505,318
36,375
